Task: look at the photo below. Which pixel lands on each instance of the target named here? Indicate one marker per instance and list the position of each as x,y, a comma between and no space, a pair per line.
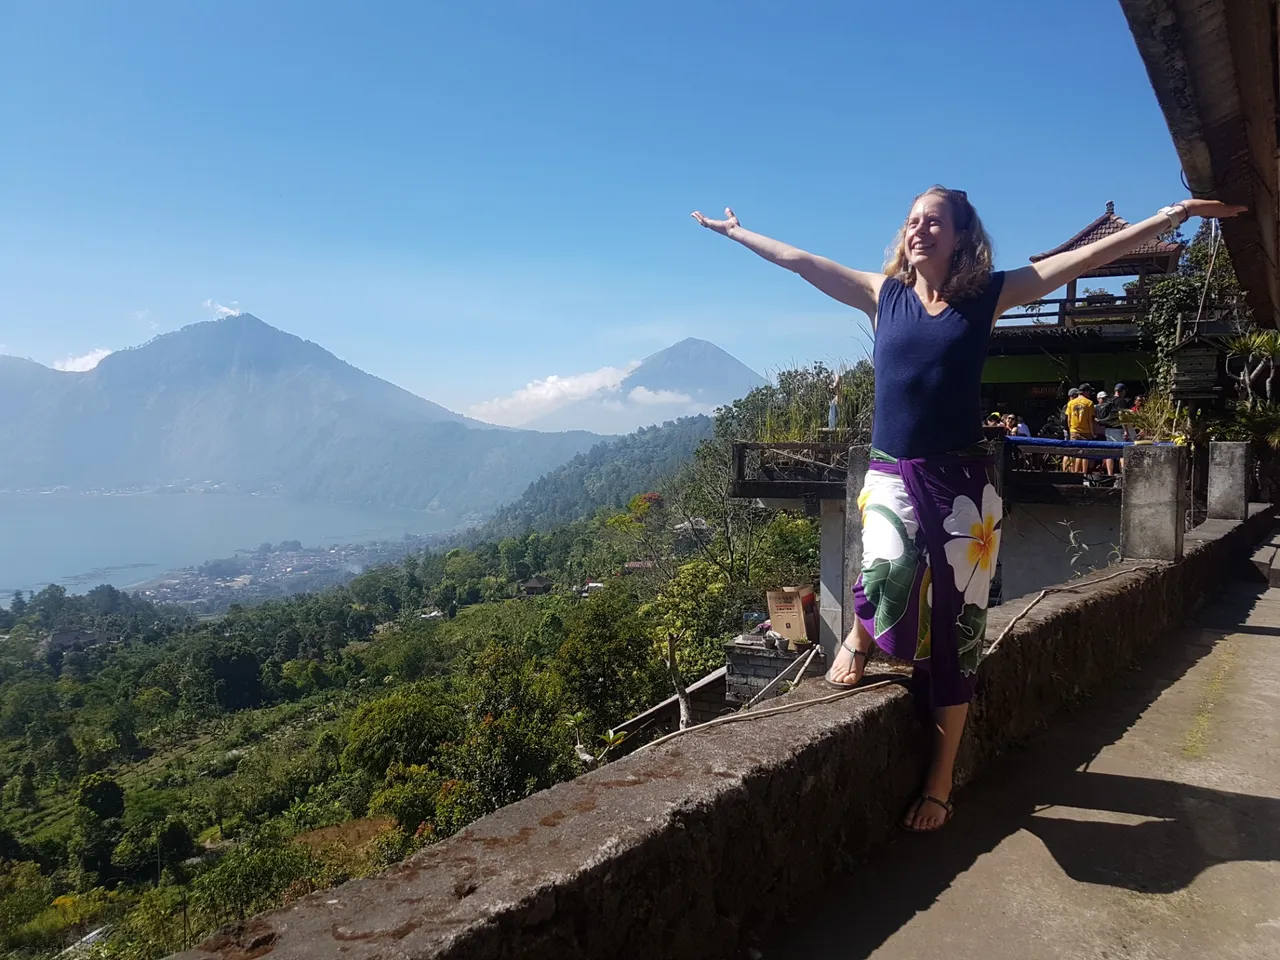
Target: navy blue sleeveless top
929,371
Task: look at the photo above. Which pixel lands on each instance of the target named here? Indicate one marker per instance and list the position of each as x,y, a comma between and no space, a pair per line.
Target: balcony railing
807,470
1080,311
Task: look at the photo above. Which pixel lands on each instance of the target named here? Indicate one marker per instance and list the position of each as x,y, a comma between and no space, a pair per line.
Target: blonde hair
970,264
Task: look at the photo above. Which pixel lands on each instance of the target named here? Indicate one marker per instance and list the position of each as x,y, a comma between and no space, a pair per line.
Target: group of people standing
1100,420
1086,416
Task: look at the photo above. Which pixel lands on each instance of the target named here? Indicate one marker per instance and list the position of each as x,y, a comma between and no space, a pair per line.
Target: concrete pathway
1144,826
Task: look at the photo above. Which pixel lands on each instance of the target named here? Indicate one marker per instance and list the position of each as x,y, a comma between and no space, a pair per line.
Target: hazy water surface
81,541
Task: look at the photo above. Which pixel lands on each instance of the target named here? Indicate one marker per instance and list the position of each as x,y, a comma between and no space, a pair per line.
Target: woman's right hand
1210,208
719,226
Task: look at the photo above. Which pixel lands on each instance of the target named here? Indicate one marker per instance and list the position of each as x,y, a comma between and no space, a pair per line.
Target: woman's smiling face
931,234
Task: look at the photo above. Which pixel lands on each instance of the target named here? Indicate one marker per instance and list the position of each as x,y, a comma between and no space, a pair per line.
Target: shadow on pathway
1141,834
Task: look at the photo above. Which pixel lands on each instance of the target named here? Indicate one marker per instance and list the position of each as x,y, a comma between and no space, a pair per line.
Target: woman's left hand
1211,209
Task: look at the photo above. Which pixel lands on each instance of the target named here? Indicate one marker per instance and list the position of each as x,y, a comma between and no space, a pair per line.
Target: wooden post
1064,318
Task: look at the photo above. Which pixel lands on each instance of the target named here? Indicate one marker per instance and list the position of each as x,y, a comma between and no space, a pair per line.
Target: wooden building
536,586
1042,349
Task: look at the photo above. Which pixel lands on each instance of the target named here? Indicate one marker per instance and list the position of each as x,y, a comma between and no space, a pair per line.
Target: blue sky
466,198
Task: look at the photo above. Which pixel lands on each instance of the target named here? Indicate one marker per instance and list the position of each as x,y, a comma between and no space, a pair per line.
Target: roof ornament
1111,207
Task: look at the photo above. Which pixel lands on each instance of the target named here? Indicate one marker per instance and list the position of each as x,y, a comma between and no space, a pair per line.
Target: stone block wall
684,850
751,666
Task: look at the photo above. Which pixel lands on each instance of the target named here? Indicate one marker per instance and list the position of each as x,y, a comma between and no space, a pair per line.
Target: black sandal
844,644
947,805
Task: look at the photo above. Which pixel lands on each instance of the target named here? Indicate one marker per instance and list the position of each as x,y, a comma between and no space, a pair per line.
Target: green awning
1097,368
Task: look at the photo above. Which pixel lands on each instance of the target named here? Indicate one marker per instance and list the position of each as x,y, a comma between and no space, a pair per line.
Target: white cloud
543,396
82,363
647,397
220,311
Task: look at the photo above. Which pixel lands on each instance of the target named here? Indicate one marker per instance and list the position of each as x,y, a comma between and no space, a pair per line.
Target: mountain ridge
689,378
238,402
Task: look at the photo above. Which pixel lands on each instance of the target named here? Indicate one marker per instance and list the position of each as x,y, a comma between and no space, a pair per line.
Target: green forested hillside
163,775
607,475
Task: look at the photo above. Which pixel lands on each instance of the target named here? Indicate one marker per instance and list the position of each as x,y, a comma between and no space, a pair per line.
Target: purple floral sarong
930,541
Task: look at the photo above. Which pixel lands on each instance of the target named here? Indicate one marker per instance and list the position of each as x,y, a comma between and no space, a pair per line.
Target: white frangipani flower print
974,544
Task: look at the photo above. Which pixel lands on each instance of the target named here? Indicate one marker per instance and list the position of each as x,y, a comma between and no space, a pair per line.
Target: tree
101,795
154,703
1257,351
49,604
606,662
92,842
219,799
26,793
514,564
155,927
148,849
24,893
408,795
55,754
1204,287
225,675
75,666
686,615
28,702
406,727
517,738
252,876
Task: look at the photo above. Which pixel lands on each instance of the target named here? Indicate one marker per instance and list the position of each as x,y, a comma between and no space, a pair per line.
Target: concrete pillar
1228,481
1200,475
859,457
1154,503
831,594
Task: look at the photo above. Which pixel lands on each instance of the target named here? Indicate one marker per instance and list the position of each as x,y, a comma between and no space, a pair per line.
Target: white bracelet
1171,214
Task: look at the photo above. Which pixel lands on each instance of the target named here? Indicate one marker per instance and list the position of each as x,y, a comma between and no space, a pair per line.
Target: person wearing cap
1108,428
1080,424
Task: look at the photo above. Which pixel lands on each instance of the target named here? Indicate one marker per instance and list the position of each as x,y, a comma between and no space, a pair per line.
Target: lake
81,541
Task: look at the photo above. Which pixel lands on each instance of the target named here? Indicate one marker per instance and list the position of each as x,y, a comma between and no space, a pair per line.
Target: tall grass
797,410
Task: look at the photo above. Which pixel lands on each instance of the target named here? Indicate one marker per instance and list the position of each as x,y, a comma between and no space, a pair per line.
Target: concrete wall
751,667
707,700
1034,543
685,849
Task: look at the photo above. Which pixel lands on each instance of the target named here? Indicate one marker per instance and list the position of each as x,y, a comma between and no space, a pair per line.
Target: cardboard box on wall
793,613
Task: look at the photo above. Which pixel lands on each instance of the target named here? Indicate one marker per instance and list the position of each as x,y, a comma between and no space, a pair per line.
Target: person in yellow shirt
1080,423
